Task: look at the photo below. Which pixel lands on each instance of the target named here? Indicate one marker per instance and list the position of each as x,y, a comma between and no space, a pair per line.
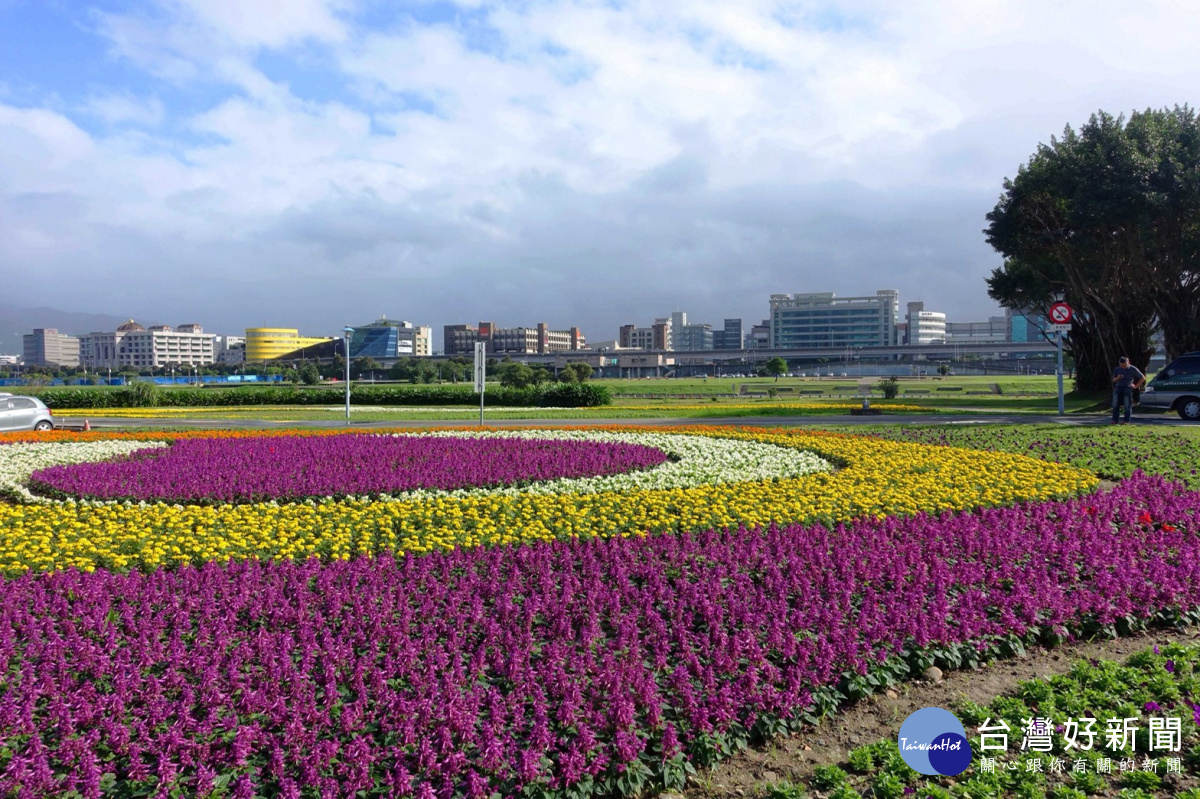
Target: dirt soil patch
879,717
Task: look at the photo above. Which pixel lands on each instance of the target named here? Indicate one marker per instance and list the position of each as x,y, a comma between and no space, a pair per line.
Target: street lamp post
346,333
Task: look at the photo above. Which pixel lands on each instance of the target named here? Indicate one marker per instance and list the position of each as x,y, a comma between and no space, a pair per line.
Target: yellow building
268,343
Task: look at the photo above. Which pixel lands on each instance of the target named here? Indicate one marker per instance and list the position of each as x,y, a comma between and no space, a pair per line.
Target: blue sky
313,163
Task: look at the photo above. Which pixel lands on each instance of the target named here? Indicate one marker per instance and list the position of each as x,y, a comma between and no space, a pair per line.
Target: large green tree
776,366
1109,217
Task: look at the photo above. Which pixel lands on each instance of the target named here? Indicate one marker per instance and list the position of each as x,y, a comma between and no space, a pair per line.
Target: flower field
598,664
622,607
873,479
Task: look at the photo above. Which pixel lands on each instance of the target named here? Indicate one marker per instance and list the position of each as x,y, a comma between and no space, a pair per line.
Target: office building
655,337
231,350
823,320
269,343
386,338
1022,328
137,347
45,346
459,339
539,340
759,337
728,337
678,320
147,348
414,341
924,327
993,331
691,338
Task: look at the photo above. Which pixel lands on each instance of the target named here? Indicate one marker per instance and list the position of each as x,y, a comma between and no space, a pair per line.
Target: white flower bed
18,461
696,460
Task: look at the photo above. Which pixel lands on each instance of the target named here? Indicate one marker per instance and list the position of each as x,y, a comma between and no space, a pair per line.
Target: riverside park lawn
684,399
320,629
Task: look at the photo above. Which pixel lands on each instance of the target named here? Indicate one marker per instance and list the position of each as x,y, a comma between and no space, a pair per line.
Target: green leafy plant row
1153,683
148,395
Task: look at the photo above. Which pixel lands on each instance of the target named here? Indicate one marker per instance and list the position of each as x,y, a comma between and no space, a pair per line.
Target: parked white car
24,413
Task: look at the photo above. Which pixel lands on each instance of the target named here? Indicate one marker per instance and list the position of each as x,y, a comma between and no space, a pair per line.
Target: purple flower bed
298,467
494,669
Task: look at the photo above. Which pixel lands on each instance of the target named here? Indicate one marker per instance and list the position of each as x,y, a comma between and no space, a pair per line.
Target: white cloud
605,161
122,107
266,23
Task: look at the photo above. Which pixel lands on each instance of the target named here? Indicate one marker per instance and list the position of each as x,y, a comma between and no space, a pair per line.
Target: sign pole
1060,319
346,333
480,374
1061,410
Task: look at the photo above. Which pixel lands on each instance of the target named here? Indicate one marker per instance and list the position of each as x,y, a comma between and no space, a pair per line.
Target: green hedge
147,395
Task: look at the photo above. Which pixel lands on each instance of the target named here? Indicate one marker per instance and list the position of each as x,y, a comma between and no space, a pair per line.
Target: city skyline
438,342
535,162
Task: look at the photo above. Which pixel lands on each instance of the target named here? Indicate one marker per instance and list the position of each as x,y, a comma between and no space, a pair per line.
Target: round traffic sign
1060,313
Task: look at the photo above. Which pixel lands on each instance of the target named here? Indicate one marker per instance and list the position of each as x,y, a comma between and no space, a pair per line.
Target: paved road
1090,420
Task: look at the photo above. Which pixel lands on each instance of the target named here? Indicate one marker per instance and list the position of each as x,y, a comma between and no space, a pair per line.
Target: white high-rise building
678,320
925,327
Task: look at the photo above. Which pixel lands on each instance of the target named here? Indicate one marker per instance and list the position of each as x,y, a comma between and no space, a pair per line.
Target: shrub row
148,395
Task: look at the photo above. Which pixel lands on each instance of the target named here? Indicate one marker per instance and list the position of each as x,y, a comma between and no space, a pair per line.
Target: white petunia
695,461
19,461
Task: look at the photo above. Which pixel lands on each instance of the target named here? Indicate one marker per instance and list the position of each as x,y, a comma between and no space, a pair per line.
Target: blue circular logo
933,741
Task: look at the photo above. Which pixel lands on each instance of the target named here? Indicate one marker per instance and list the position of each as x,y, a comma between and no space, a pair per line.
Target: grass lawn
1111,452
1008,385
657,405
627,409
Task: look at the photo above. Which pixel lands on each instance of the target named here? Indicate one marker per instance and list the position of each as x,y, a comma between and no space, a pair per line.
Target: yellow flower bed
877,478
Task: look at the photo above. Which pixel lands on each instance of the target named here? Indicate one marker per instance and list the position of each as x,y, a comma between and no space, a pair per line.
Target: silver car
24,413
1176,388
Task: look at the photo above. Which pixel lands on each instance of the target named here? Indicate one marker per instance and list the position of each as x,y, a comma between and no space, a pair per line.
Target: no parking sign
1060,317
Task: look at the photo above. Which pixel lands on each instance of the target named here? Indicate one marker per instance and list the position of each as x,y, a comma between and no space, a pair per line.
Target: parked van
1176,388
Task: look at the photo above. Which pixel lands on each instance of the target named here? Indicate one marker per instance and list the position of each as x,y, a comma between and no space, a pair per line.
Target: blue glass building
375,341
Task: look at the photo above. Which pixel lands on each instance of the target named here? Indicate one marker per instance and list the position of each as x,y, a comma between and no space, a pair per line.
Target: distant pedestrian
1126,377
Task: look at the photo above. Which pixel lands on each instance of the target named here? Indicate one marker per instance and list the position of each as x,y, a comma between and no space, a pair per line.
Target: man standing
1126,378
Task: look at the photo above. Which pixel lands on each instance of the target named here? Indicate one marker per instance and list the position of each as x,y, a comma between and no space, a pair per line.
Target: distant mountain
16,322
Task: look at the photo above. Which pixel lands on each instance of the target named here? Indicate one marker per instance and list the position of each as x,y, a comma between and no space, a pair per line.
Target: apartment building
538,340
655,337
